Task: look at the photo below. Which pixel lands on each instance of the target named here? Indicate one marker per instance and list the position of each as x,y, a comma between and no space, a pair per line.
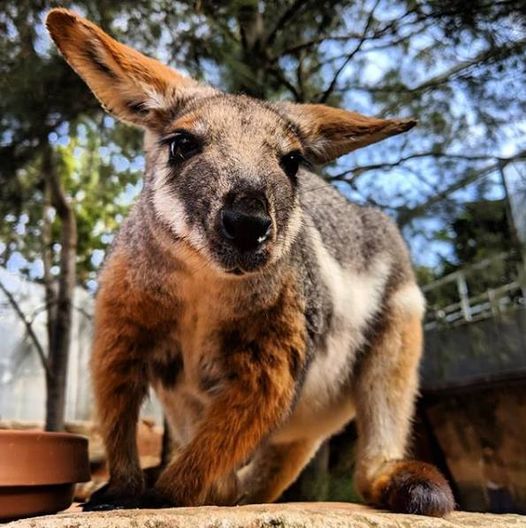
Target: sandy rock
298,515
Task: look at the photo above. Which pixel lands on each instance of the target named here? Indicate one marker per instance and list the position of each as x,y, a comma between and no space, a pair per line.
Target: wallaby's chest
186,363
191,338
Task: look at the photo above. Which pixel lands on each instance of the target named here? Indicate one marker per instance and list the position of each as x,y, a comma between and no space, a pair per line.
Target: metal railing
475,292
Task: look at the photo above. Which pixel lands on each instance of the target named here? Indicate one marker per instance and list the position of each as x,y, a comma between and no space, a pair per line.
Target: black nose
246,223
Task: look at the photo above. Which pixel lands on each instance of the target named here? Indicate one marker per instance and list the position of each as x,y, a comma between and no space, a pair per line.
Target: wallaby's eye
290,163
183,146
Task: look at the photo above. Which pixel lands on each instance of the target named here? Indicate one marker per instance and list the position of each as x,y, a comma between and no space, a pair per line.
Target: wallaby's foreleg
274,468
120,385
233,427
262,356
386,386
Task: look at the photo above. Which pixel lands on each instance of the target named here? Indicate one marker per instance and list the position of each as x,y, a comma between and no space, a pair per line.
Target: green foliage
96,188
45,102
480,234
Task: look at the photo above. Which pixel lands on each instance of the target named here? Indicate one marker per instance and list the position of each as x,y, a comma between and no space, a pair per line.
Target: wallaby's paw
104,499
92,506
417,488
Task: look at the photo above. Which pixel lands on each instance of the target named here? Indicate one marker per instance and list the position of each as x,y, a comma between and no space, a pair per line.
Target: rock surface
297,515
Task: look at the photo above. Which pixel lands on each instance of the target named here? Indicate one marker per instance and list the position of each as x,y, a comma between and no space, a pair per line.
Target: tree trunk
252,80
60,312
47,253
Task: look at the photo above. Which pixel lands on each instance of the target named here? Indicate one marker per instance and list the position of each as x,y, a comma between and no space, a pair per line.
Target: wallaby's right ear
130,85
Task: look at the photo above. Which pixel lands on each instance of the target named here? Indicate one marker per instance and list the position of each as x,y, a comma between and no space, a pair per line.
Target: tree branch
283,19
483,56
359,170
394,25
454,70
47,259
29,328
313,42
61,325
408,214
326,94
286,83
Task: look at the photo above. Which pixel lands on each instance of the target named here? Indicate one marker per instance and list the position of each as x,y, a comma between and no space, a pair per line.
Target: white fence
504,291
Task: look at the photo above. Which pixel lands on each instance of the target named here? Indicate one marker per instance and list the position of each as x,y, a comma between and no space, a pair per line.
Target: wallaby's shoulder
354,235
139,267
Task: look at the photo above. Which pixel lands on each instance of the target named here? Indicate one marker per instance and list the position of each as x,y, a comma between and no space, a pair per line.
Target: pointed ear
130,85
331,132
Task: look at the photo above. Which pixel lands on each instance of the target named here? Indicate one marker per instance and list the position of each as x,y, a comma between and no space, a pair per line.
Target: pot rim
36,458
38,432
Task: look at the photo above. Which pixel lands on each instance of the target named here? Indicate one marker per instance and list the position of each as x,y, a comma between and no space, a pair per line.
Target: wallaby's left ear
133,87
332,132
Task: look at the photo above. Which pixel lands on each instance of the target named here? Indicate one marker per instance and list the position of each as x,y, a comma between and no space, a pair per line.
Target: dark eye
183,146
290,163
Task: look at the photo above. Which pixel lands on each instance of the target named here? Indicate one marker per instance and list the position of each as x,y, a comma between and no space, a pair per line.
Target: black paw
418,488
151,475
92,506
104,500
151,498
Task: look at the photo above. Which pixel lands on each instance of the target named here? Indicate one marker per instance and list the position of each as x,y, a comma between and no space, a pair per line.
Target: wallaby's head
222,170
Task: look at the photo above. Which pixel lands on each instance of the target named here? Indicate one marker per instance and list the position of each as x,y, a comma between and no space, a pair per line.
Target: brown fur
95,55
390,364
126,321
262,361
410,486
273,469
346,131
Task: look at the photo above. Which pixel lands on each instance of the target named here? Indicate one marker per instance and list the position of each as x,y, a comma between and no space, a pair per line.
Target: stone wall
482,435
299,515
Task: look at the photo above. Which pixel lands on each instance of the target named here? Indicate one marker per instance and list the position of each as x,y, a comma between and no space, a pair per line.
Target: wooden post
519,243
463,293
493,301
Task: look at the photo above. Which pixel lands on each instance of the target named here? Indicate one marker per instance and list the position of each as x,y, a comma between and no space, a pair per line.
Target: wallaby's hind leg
386,386
273,469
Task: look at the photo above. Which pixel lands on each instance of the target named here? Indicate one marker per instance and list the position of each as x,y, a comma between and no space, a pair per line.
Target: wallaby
264,309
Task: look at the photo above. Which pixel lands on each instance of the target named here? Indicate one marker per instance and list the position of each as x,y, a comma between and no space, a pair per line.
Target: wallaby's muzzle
245,222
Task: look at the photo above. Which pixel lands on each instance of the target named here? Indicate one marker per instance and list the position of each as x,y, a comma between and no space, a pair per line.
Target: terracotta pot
38,471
